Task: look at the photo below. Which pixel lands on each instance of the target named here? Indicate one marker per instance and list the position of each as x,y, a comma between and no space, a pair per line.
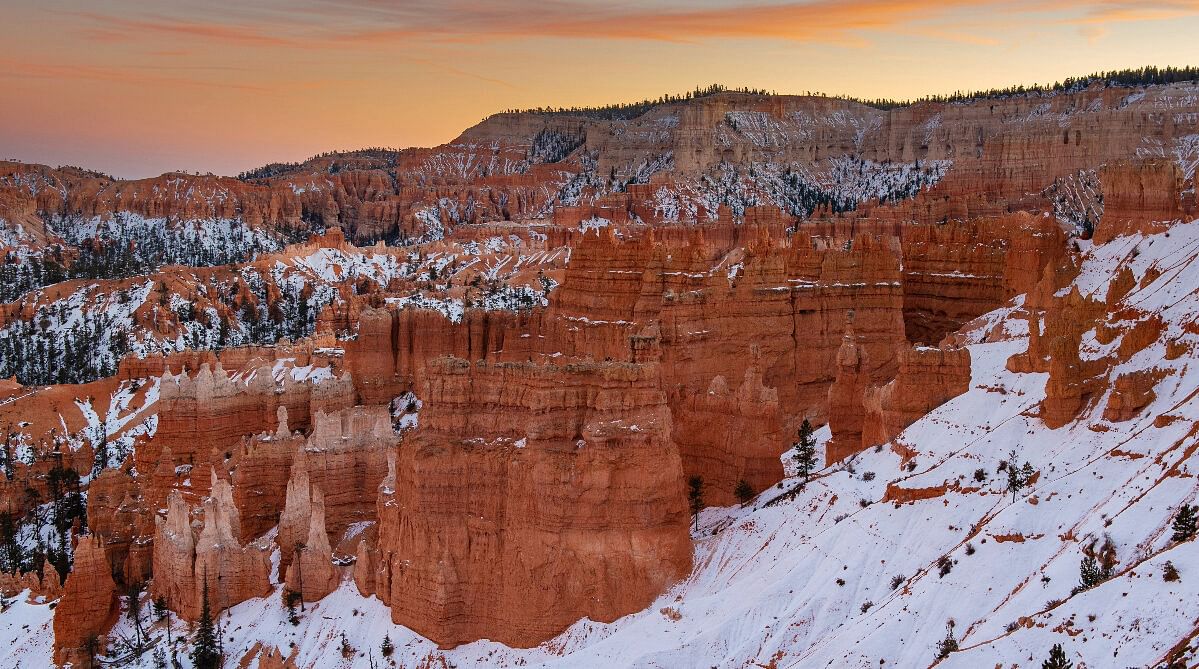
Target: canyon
530,398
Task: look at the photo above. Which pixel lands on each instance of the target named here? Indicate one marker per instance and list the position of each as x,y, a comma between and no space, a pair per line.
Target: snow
26,636
785,581
594,223
335,265
765,585
405,412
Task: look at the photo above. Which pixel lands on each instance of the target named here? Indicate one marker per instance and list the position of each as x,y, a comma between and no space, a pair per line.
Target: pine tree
387,648
1057,659
289,599
1017,477
11,553
805,451
744,492
204,649
162,613
160,607
1184,523
1089,574
695,496
133,595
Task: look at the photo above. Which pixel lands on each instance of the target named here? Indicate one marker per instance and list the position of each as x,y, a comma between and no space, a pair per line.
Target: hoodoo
723,379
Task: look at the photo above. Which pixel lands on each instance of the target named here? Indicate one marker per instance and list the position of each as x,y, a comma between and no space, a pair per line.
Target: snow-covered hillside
839,576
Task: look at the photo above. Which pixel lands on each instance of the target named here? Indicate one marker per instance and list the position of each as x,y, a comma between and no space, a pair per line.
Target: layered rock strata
530,496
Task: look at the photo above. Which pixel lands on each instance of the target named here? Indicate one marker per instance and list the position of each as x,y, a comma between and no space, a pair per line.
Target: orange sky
139,87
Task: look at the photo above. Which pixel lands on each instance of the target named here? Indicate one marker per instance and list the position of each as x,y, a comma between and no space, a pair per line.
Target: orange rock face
540,476
958,271
1131,392
1139,197
48,585
188,558
748,438
530,496
207,415
927,378
88,607
863,414
847,413
311,572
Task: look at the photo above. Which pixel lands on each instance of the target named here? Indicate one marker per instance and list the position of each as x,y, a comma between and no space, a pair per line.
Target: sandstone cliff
523,503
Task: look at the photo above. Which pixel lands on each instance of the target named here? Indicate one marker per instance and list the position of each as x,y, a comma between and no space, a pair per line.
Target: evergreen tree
744,492
162,613
1057,659
805,451
160,608
1184,523
133,595
387,648
11,554
1089,574
204,648
695,496
1017,477
289,600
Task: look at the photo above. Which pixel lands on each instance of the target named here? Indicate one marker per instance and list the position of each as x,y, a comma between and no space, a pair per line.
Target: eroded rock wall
530,496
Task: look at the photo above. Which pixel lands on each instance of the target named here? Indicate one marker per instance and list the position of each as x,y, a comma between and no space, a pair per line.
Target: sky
136,88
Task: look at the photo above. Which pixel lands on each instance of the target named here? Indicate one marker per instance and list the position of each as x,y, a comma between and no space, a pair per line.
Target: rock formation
927,378
846,410
582,314
187,561
88,607
311,572
741,427
530,496
211,412
1141,196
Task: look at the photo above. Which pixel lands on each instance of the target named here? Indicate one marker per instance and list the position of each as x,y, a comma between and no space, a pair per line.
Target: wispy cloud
334,23
116,28
1121,11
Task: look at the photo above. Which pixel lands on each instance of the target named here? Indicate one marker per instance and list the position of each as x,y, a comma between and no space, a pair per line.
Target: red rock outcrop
846,411
46,585
530,496
187,561
1131,392
88,607
212,411
927,378
311,572
742,427
1068,387
1143,196
957,271
117,511
702,308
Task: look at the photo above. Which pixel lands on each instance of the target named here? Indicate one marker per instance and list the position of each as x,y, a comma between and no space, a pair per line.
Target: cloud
114,28
306,24
1121,11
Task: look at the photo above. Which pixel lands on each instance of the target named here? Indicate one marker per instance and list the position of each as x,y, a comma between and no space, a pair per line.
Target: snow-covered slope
838,576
